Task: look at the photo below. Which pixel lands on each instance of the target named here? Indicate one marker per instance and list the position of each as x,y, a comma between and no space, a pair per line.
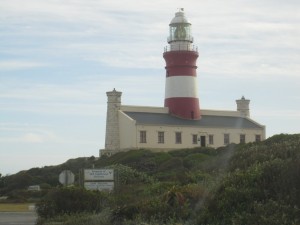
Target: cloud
19,64
128,36
46,92
83,97
289,113
25,133
33,138
260,66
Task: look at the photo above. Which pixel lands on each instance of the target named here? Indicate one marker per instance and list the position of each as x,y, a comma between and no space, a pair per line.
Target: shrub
262,185
70,200
193,160
128,175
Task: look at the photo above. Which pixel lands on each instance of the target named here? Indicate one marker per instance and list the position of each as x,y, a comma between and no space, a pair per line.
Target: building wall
127,131
130,135
187,136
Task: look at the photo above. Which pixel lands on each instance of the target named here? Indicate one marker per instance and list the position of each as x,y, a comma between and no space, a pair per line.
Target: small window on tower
143,136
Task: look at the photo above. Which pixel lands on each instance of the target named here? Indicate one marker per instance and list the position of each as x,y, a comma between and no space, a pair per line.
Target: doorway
202,141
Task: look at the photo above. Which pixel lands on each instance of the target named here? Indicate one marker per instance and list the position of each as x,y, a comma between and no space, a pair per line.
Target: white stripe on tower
175,88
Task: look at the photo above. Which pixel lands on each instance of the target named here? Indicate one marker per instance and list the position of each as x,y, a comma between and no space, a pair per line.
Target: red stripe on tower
181,91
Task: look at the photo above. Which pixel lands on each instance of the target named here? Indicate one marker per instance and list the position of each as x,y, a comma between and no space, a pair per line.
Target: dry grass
14,207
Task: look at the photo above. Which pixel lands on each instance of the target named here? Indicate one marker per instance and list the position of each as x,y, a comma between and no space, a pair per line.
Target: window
195,139
257,138
178,137
161,137
143,138
211,139
226,139
242,138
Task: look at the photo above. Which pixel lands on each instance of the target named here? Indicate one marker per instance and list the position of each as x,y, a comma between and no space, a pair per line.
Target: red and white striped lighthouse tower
181,91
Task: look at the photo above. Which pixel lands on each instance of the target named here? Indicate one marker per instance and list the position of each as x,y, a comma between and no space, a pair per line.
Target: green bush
194,160
127,175
262,184
69,201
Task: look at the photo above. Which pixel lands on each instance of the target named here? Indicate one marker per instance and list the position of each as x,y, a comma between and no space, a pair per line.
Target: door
203,141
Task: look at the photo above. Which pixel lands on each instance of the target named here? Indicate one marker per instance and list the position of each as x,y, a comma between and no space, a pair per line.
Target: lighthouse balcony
180,47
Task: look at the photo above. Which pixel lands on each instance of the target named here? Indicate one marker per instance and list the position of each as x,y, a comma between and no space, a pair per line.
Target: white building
136,127
180,123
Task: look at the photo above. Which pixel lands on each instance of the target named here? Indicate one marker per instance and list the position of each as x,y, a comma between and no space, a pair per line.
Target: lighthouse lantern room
181,90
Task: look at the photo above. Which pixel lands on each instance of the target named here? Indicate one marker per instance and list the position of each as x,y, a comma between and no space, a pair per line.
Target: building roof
205,121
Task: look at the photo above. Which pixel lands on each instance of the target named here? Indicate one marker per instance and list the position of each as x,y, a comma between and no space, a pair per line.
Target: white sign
66,177
100,186
98,174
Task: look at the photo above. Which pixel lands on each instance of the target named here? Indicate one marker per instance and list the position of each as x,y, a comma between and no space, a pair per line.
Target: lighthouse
179,124
181,88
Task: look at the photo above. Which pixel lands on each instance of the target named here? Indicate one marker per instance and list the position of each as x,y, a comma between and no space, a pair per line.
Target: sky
59,58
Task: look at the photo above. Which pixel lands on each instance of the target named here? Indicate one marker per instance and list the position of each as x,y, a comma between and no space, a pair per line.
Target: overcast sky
58,59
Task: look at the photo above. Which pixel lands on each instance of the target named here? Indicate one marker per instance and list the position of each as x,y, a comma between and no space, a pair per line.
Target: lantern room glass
180,32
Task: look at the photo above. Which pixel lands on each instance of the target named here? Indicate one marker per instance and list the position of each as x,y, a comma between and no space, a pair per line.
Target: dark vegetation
256,183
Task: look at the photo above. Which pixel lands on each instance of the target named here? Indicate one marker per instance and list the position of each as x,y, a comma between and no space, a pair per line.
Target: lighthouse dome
179,18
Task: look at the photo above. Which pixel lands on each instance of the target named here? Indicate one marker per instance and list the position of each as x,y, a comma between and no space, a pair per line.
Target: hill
174,166
237,184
